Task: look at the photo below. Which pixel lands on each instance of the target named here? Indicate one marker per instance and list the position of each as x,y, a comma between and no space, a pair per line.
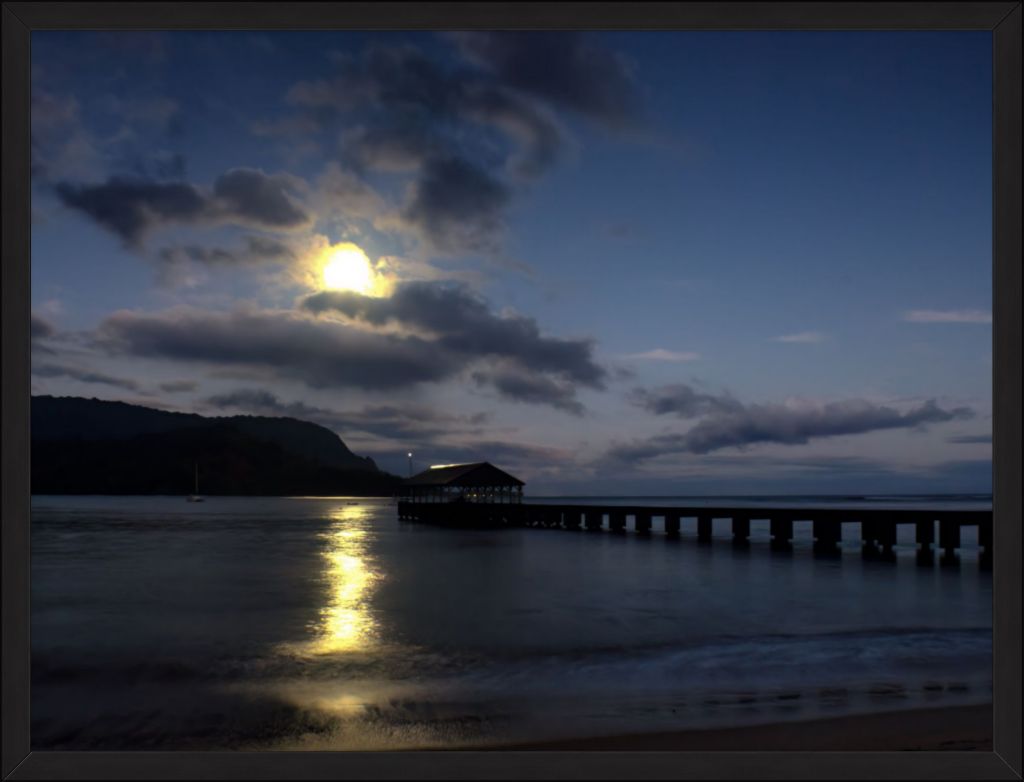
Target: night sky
651,262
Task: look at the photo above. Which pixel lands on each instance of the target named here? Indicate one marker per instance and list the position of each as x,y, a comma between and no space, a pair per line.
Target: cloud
568,69
970,439
400,143
796,426
133,207
456,206
175,261
410,423
251,197
725,422
41,328
130,208
320,354
424,333
754,474
264,402
179,386
463,323
661,354
41,332
948,316
457,130
683,401
83,375
520,385
537,134
346,195
60,142
158,111
802,337
508,354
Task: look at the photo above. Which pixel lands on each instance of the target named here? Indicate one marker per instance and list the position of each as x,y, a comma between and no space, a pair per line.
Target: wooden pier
876,528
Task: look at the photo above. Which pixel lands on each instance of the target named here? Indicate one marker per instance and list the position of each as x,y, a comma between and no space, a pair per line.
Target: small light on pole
410,464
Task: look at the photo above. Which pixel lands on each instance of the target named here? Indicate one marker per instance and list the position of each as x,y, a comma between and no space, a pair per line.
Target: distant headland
92,446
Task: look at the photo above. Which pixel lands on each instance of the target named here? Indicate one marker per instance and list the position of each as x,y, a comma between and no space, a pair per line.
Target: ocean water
327,624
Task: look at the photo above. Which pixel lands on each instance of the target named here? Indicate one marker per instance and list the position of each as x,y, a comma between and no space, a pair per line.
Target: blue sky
650,262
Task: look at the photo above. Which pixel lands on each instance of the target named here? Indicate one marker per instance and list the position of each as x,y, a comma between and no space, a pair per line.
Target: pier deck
935,530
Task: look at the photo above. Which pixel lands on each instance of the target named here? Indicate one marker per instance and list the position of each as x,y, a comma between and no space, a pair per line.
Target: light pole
410,464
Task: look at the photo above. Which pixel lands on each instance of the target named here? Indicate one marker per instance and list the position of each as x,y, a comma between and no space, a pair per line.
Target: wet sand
956,728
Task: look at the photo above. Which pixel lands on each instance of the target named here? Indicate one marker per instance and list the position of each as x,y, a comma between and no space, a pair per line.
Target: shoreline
948,728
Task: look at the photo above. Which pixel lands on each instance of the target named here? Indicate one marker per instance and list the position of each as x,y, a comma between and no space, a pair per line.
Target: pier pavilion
477,482
462,495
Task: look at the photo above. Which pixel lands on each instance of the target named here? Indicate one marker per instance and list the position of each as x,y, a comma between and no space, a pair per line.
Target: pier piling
887,540
617,521
740,530
782,533
704,529
827,534
985,541
643,523
949,540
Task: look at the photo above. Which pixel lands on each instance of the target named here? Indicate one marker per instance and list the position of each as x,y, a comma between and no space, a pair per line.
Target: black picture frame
1002,19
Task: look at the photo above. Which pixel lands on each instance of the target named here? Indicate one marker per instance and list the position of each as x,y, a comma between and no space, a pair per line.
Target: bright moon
348,269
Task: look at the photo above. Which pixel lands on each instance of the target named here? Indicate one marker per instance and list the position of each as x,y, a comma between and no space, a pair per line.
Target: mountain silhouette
92,446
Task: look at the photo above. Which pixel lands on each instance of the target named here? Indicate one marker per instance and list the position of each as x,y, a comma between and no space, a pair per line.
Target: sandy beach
957,728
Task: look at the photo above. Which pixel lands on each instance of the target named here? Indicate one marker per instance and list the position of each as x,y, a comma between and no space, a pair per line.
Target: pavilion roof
472,474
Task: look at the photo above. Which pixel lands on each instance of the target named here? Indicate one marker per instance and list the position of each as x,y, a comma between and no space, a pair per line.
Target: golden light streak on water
345,622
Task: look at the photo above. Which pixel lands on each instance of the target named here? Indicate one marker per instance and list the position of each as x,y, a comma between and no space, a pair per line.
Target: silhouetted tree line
72,453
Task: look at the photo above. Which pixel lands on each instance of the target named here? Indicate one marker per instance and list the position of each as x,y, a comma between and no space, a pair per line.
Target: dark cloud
463,323
132,207
412,424
760,474
459,129
520,385
569,69
319,354
41,332
179,386
405,139
41,328
255,250
347,195
263,402
402,143
252,197
456,206
451,331
683,401
535,132
398,78
83,375
728,423
795,426
58,140
971,439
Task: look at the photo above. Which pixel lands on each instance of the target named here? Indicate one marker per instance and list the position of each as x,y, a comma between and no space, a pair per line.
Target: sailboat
197,497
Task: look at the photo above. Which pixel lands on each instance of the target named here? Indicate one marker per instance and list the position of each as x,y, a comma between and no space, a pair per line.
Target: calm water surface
280,623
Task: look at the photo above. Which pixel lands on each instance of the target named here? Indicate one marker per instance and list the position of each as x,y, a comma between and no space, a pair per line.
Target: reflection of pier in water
876,527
